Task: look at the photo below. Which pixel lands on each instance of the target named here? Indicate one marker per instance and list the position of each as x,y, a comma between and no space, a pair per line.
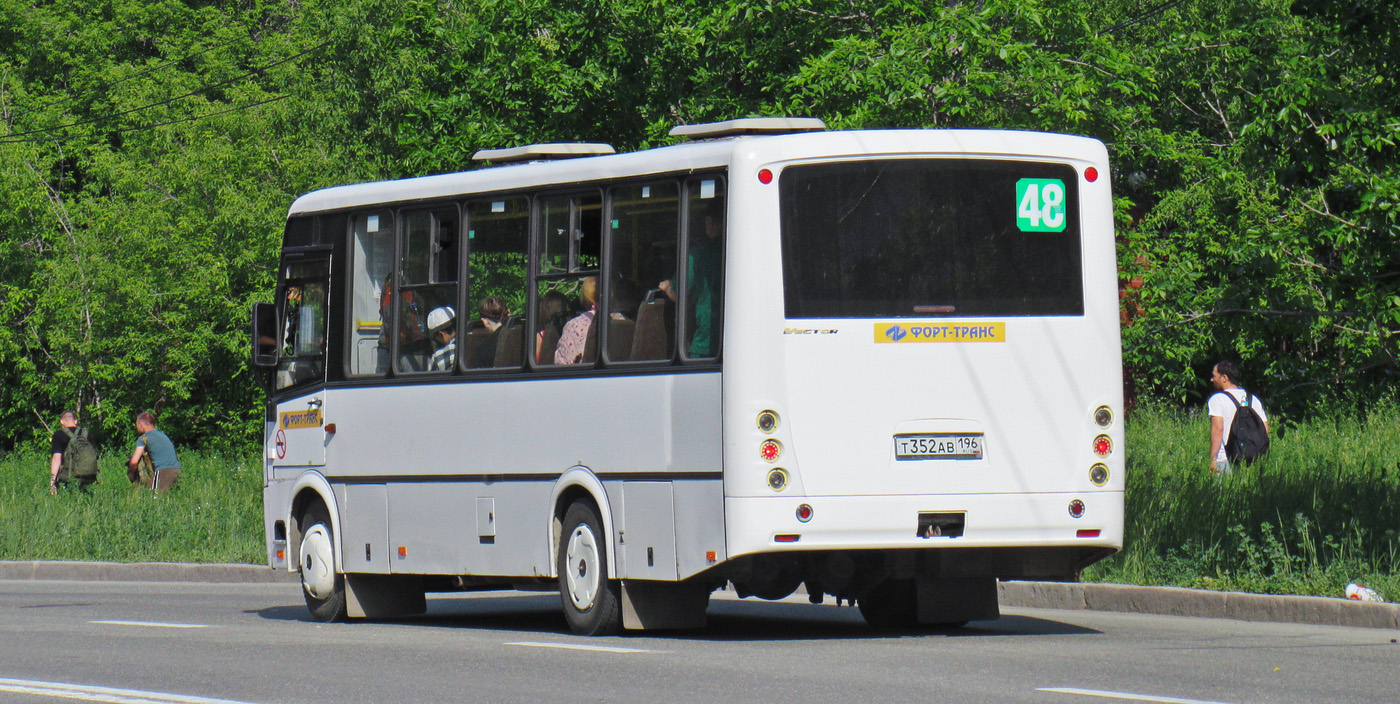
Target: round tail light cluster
1076,509
1103,445
777,479
1103,416
770,450
768,421
804,513
1098,474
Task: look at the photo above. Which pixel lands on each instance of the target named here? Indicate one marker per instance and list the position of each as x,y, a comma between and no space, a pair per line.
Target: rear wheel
323,588
892,604
591,601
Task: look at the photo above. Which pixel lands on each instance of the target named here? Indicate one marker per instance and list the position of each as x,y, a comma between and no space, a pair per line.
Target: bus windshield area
931,238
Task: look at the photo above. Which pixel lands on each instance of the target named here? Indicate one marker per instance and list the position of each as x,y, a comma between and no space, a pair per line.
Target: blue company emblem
895,332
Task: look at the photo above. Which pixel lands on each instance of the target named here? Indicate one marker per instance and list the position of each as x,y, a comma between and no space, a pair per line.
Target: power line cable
119,81
1159,9
155,125
167,101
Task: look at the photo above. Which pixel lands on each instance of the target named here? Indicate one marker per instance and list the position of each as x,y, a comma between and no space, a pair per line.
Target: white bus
881,366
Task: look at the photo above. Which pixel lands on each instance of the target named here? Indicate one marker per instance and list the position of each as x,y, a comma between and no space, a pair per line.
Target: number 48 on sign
1040,205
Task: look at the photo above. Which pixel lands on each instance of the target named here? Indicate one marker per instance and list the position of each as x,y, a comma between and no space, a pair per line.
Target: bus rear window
931,238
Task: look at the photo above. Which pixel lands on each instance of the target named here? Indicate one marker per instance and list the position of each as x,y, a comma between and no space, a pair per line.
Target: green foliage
214,513
148,151
1317,513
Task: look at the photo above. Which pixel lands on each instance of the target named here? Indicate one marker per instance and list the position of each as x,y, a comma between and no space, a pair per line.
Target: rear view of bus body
882,366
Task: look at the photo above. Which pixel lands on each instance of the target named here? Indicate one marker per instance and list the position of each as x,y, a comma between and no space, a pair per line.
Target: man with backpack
1239,430
74,456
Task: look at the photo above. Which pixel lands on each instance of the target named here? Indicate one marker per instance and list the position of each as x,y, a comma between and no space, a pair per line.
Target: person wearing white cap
442,328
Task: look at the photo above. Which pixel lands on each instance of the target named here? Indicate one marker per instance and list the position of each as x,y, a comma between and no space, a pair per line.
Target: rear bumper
769,524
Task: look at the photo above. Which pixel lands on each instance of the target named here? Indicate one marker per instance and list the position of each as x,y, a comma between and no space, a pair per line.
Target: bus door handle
314,403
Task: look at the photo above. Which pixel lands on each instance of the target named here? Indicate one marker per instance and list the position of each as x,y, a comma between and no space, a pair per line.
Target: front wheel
592,605
323,588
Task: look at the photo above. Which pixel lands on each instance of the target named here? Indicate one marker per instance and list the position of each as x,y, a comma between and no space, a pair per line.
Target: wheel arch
577,483
311,487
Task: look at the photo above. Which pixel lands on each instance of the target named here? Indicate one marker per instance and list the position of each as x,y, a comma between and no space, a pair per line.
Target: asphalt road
136,642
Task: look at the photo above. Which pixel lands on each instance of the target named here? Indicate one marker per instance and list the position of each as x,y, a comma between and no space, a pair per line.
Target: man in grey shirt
162,451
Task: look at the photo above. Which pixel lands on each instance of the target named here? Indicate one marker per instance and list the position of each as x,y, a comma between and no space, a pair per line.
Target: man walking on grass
1223,406
59,474
162,452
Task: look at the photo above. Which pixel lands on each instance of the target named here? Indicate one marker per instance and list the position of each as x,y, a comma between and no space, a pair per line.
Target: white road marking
151,624
111,695
1127,695
566,646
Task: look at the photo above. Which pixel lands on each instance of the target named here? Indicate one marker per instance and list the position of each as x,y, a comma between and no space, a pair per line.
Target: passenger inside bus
575,335
702,283
442,327
554,313
493,313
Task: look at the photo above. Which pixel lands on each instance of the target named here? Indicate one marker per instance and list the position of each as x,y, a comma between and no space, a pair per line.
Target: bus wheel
591,602
323,588
892,604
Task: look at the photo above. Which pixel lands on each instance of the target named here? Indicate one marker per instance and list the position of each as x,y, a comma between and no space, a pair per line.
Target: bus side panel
438,529
445,450
669,530
700,540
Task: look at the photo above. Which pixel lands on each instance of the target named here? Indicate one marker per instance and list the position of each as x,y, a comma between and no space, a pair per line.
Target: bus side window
491,329
302,310
644,227
570,241
703,283
428,321
371,264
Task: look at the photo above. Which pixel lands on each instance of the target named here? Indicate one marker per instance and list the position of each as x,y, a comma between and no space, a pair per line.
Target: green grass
214,514
1320,511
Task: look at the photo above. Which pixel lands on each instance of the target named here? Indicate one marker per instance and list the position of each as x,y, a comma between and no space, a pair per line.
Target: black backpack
1249,439
80,459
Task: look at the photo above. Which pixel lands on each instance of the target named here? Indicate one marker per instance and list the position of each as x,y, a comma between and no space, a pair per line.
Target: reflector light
281,555
765,176
804,513
1087,533
767,421
1091,174
1076,508
330,428
1103,445
770,450
403,551
1103,416
777,479
1098,474
710,556
786,538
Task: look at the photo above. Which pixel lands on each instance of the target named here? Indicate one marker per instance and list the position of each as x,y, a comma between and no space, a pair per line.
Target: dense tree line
148,150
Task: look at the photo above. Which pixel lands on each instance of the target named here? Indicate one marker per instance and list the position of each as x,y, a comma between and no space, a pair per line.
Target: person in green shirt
703,272
162,452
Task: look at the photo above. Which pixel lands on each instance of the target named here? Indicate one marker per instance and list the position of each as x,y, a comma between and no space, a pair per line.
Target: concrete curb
1177,601
1165,601
142,572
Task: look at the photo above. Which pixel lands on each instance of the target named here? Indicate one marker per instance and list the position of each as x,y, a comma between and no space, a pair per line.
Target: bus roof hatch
543,152
749,125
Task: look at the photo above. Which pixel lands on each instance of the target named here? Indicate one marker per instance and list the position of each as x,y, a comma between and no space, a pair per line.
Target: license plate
938,446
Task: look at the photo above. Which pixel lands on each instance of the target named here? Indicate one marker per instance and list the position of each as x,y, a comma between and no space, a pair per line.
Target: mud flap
957,600
382,596
648,605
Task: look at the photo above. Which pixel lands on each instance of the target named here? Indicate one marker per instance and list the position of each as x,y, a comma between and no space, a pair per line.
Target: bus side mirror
264,335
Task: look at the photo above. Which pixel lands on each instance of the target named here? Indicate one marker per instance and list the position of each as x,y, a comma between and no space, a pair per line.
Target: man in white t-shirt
1225,376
